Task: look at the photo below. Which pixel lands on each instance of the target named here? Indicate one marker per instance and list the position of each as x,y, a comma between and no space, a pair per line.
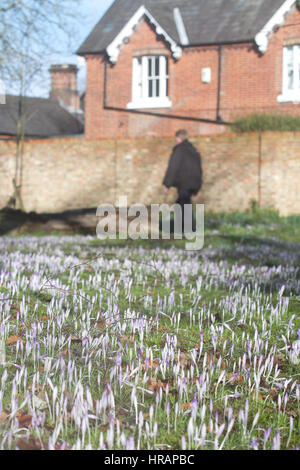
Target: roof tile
206,21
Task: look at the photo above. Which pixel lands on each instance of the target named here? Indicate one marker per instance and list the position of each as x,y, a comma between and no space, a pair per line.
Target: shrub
259,122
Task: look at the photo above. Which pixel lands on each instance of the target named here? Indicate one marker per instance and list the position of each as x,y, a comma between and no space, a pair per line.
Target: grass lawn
143,345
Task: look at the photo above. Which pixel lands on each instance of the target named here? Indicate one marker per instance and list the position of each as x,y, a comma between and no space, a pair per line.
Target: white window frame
290,94
140,83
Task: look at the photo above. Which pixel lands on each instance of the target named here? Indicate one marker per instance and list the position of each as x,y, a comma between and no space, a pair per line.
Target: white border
262,37
290,95
180,27
144,103
2,92
113,50
139,102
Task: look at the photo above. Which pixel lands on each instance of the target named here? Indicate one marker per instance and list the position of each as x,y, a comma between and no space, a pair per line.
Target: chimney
64,86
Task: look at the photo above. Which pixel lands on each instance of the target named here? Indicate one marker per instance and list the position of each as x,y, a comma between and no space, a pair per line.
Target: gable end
113,50
262,37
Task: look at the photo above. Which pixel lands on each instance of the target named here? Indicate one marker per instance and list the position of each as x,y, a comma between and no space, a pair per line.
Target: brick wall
64,85
73,173
249,82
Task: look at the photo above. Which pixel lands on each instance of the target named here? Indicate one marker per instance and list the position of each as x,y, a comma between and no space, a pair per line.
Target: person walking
184,172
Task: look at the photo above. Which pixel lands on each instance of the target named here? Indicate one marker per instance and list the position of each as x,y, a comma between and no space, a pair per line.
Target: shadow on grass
259,242
15,222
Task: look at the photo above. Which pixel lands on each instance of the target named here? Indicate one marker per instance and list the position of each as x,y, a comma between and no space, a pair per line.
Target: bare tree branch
31,31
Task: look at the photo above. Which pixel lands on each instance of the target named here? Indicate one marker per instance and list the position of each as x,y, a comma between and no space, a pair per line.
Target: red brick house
154,66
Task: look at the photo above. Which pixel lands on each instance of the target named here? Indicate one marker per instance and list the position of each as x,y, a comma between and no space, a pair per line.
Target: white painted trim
70,109
262,37
136,79
140,83
184,40
150,103
2,92
206,75
113,50
290,95
163,76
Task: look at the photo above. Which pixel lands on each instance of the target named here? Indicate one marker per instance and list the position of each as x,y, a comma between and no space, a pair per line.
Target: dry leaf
37,387
257,396
75,339
292,413
150,365
14,340
64,352
3,416
31,444
15,307
156,385
280,359
122,412
185,359
213,359
49,427
161,328
34,444
234,378
103,427
25,421
186,406
100,324
274,393
125,339
263,383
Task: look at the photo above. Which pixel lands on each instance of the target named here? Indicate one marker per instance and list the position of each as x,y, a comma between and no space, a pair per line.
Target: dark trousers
185,197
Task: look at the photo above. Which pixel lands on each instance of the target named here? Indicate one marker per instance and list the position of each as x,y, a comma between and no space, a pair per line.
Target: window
150,82
291,74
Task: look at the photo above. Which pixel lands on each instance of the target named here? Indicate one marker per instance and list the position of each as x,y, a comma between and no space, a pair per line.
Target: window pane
290,79
150,67
150,89
139,78
290,65
157,87
154,76
157,66
290,56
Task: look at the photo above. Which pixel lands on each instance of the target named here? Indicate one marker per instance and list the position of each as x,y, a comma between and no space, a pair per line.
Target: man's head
181,135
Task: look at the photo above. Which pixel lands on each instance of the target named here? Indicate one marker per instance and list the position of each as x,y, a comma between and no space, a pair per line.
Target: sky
92,11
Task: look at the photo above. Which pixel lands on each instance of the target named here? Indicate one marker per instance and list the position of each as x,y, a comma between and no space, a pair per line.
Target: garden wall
62,174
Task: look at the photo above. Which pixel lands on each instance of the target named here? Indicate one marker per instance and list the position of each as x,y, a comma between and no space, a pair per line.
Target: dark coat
184,169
